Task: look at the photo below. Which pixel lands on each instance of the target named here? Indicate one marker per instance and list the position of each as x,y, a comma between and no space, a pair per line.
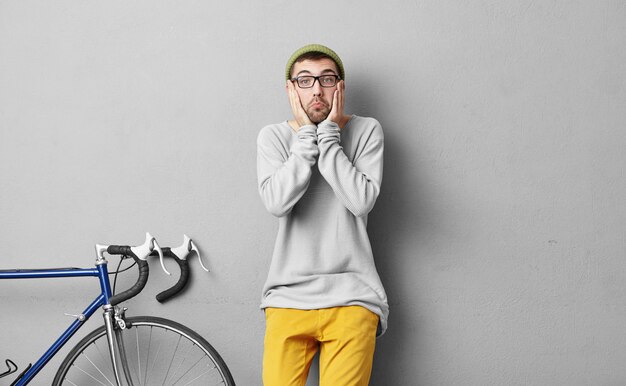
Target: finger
293,99
342,94
338,103
295,105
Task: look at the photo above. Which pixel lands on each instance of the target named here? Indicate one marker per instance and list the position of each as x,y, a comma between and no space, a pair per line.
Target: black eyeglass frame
316,78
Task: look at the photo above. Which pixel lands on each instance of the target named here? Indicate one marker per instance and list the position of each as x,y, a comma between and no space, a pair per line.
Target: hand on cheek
336,113
300,116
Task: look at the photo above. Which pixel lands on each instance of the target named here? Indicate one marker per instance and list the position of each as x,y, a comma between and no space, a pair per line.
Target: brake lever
160,252
186,248
143,251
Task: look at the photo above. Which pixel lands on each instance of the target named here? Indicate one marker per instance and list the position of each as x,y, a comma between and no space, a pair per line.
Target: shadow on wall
392,225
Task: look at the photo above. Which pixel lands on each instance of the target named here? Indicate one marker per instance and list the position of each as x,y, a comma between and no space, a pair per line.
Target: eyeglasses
308,81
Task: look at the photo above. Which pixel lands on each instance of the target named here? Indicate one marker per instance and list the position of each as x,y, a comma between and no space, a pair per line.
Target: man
320,174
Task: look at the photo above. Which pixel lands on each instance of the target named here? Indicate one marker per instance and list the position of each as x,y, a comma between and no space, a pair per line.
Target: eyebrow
326,71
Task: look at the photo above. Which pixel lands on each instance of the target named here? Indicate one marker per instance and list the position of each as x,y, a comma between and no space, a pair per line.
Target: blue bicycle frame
100,271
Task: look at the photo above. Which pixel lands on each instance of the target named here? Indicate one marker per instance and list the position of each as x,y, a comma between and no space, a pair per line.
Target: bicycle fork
115,324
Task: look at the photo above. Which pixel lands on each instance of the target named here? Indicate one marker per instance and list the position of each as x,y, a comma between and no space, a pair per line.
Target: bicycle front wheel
158,352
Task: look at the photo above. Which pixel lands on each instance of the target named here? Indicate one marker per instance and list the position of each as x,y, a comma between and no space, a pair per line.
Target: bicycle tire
159,352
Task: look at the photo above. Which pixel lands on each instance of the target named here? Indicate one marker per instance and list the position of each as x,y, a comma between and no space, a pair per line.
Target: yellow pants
345,336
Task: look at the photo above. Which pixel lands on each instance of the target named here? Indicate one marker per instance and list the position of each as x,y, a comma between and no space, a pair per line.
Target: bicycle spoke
97,369
171,361
90,376
148,355
138,357
102,356
189,369
200,376
156,356
183,362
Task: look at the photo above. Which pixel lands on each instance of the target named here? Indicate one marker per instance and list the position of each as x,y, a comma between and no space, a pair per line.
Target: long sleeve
356,183
283,169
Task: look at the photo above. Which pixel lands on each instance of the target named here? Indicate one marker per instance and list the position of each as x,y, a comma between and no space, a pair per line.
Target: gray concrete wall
500,229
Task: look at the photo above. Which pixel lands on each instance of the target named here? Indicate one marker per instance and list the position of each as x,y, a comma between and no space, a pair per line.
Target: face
317,101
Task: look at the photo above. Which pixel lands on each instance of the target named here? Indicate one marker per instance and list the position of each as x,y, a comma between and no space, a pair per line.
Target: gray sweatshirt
321,183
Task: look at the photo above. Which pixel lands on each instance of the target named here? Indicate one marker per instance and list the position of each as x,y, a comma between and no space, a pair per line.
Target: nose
317,87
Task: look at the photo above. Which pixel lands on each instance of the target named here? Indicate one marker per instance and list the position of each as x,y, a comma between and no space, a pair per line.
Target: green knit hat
314,48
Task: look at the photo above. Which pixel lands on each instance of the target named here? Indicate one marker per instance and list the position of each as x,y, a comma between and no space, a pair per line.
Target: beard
318,114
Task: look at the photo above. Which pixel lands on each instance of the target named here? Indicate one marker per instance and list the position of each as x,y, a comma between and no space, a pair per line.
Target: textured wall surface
500,230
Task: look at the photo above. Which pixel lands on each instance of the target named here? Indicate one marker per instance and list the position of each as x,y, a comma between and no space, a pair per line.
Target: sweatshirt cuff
328,131
307,132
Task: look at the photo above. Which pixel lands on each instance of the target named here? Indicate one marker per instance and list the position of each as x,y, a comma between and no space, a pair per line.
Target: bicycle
140,350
